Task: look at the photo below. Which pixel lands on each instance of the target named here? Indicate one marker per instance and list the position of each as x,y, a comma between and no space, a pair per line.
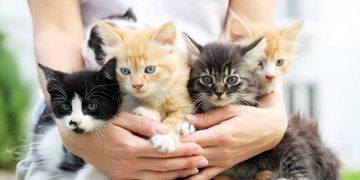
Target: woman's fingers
170,164
216,116
208,137
207,173
166,175
183,149
139,125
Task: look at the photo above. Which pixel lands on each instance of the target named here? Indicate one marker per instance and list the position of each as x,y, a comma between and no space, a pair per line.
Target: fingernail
191,117
202,163
161,129
193,171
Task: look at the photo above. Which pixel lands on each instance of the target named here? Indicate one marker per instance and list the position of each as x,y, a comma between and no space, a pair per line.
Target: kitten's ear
166,34
254,52
51,75
108,70
109,34
238,30
194,49
292,32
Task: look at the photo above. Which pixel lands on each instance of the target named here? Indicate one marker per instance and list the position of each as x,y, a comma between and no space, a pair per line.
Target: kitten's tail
305,127
308,128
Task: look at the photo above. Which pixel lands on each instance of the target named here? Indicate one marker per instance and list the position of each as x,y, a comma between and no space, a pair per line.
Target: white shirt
203,20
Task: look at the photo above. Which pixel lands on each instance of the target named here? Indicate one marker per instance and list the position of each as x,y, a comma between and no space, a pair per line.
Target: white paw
145,112
165,143
185,128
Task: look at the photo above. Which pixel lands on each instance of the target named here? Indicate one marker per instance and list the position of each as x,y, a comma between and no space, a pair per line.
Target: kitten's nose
76,123
137,86
269,77
219,93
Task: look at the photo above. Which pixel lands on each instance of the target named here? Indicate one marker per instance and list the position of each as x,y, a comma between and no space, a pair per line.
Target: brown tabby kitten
154,74
279,55
224,74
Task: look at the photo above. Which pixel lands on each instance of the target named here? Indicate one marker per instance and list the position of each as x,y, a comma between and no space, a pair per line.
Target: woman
59,28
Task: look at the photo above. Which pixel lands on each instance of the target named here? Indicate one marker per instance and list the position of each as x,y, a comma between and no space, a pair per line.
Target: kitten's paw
165,143
185,128
145,112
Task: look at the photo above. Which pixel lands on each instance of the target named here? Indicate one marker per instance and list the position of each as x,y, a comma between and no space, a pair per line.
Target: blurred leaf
351,176
14,102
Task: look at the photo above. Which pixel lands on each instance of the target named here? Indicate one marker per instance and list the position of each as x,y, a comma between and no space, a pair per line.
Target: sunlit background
324,83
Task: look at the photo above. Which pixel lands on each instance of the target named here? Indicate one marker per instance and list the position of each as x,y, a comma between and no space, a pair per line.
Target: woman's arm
255,11
58,34
237,133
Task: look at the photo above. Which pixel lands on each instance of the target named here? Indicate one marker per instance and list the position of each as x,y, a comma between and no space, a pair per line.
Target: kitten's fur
160,94
299,155
279,55
83,101
93,46
222,62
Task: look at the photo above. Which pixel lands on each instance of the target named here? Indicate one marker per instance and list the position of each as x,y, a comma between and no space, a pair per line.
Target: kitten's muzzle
219,93
269,77
75,123
137,86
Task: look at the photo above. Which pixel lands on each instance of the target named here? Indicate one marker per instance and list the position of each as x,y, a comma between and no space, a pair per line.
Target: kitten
83,101
279,55
224,74
154,73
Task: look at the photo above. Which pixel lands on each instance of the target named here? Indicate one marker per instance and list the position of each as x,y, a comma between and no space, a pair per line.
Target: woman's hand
237,133
122,155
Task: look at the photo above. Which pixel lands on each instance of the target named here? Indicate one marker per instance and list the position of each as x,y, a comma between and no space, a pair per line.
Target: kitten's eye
65,108
91,107
125,71
150,69
232,80
280,62
260,64
206,80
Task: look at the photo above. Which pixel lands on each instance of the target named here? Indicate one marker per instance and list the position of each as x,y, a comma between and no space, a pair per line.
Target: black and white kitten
94,48
224,74
84,101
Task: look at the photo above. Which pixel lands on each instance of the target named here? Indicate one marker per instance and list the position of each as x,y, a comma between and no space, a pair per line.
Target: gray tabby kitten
224,74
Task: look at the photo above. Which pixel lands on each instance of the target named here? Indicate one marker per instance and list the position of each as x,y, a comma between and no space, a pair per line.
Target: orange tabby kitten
279,55
154,73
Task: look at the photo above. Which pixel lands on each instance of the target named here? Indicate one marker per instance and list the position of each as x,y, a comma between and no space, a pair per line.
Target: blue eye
125,71
150,69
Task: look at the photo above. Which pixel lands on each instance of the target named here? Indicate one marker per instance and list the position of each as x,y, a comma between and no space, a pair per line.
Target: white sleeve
38,109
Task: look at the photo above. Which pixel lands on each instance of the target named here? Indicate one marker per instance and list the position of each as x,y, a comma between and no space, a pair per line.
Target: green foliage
14,101
351,176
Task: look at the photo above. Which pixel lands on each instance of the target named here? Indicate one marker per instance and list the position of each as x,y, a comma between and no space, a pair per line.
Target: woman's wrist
273,104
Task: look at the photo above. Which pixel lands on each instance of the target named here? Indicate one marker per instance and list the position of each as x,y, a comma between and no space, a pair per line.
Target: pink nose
269,77
137,86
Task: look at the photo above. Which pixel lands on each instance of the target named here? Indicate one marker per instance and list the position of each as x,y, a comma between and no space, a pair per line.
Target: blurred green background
14,105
